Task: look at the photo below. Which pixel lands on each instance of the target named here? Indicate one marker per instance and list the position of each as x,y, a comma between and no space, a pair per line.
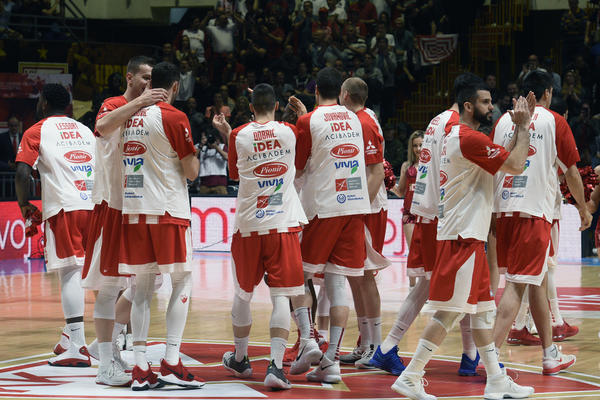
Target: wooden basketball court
31,320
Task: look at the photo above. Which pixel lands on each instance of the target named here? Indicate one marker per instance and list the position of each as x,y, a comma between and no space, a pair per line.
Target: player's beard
482,118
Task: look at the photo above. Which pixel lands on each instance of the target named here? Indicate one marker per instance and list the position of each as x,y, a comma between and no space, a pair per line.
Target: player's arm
220,124
521,117
375,175
109,123
575,185
191,166
22,186
400,188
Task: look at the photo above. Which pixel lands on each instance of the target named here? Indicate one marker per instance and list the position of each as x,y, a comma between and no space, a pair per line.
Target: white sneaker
129,342
113,375
308,352
120,340
365,361
411,385
502,386
557,362
352,358
73,357
63,344
328,371
93,349
125,366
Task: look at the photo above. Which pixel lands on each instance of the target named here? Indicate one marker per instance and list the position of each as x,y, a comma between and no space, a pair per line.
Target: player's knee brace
483,320
240,312
323,303
128,294
336,289
280,317
447,319
104,308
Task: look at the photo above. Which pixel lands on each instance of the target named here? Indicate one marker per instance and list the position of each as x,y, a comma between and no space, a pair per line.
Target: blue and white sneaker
468,367
389,361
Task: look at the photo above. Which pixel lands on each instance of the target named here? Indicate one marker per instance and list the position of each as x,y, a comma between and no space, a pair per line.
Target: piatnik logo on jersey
346,150
443,178
134,148
353,165
342,185
78,156
84,184
425,156
270,170
87,169
532,151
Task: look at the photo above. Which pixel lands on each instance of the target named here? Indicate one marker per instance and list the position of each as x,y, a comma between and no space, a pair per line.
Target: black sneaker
241,369
275,378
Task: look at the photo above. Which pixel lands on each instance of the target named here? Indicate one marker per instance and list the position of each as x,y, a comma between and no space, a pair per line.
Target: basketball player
367,302
460,277
158,155
267,219
100,271
421,257
524,206
62,150
335,199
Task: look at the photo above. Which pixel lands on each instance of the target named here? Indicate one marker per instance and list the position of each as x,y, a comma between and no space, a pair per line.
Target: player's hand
28,209
221,124
153,96
531,102
586,218
297,106
520,113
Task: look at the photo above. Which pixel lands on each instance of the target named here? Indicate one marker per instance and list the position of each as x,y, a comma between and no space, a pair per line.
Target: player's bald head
357,90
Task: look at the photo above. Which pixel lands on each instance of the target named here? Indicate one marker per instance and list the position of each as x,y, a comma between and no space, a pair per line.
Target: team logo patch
341,198
260,213
346,150
270,170
78,156
505,194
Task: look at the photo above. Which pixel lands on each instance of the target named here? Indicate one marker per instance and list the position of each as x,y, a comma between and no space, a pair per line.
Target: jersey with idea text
331,153
155,139
551,146
374,150
426,195
468,161
62,150
262,156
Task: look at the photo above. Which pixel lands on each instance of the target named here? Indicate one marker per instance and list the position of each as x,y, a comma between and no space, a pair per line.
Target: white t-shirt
468,161
426,196
262,157
212,162
222,37
62,150
196,42
330,150
552,146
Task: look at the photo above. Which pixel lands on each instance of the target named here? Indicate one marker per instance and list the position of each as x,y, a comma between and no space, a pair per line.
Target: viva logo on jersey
353,165
86,168
131,149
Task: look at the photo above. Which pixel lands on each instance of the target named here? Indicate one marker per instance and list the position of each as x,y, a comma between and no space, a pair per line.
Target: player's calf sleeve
177,312
280,317
71,293
323,303
336,289
140,307
104,307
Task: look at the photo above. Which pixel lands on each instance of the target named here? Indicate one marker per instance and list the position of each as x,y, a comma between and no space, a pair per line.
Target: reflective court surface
31,318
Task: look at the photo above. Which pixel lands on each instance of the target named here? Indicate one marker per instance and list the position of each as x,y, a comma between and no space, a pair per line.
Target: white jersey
426,196
330,150
62,150
155,139
374,150
107,183
468,161
262,157
552,146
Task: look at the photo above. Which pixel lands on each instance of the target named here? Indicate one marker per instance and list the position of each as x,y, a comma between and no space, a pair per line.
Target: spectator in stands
585,130
354,46
339,65
572,26
282,90
382,6
573,92
490,81
329,26
395,149
354,20
373,76
288,62
324,50
583,69
335,12
532,64
512,89
403,39
367,13
556,79
226,96
382,32
221,36
218,107
204,91
197,121
187,81
273,36
166,53
302,27
502,105
592,35
196,39
185,52
302,79
385,60
241,114
213,164
9,144
114,87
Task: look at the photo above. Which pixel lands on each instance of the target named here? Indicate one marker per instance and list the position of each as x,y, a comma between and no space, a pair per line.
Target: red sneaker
72,357
291,353
524,337
561,332
144,380
62,345
178,375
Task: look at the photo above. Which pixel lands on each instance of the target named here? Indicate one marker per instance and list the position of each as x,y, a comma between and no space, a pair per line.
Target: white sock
557,319
489,358
469,347
521,319
277,350
304,321
241,347
336,336
551,351
324,333
374,325
77,334
423,354
105,353
363,328
139,354
117,330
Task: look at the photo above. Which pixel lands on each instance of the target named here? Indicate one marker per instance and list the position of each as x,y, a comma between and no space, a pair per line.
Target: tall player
158,155
267,218
460,278
100,271
335,199
367,302
524,203
62,150
421,257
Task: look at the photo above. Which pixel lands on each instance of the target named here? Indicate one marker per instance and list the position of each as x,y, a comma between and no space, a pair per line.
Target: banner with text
13,243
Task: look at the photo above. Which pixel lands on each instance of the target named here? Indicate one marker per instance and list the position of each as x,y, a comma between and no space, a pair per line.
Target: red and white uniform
376,220
460,278
156,208
335,196
426,197
268,212
525,203
102,253
62,150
